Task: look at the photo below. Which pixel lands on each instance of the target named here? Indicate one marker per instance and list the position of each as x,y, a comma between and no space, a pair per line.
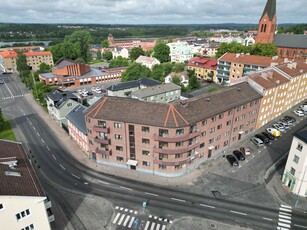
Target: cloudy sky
147,11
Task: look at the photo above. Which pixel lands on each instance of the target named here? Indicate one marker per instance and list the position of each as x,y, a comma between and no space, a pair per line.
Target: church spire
270,9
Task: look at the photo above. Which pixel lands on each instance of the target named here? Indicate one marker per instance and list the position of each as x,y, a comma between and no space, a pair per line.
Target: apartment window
212,130
162,166
118,137
299,147
234,138
237,119
219,127
227,133
119,158
292,171
243,116
204,123
179,131
117,125
1,206
163,132
217,147
162,144
202,145
296,159
228,123
213,119
102,123
221,116
235,129
180,155
229,112
30,227
211,141
241,127
146,163
218,137
225,143
178,167
244,106
119,148
145,141
238,108
178,144
22,214
145,129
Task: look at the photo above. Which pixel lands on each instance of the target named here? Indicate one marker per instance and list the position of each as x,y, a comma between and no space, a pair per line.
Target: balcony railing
173,151
173,163
178,138
102,151
98,128
103,140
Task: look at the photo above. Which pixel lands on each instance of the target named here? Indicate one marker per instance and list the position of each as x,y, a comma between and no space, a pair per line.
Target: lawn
6,131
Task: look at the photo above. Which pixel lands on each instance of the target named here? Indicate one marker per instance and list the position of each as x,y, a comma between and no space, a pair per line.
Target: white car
93,89
279,127
274,132
80,91
298,112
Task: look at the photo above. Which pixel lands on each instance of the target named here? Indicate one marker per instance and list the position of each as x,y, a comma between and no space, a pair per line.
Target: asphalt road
59,172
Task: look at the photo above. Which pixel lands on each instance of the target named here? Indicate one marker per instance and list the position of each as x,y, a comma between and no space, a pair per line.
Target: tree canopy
118,62
105,43
135,71
82,39
136,52
161,51
107,55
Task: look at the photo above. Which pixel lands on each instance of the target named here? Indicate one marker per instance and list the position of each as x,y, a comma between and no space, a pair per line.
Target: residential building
174,138
8,60
144,43
210,49
120,52
59,104
124,89
204,68
77,128
23,202
180,52
34,59
164,93
267,23
295,174
71,73
184,78
149,62
233,67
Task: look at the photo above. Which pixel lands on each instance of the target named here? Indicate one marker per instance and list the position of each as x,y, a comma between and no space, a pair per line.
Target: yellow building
8,60
204,68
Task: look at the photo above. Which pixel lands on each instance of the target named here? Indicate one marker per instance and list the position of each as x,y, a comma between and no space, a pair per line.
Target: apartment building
180,52
23,203
233,67
8,60
295,174
170,139
34,59
204,68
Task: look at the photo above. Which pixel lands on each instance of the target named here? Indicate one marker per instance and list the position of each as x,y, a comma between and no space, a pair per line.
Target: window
180,155
146,163
179,131
296,159
228,123
217,147
202,145
225,143
219,127
299,147
235,129
203,134
118,137
22,214
227,133
238,108
241,127
30,227
213,119
178,167
218,137
162,144
119,158
145,129
204,123
211,141
145,153
237,119
243,116
221,116
162,166
163,132
102,123
234,138
229,112
119,148
117,125
292,171
212,130
163,156
145,141
178,144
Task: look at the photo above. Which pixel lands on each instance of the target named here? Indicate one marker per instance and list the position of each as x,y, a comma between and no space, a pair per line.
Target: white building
184,78
23,203
295,174
120,52
147,61
180,51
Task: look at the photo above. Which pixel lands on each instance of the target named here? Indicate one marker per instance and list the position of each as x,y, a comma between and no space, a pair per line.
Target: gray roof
155,90
59,97
132,84
63,63
291,40
302,134
77,118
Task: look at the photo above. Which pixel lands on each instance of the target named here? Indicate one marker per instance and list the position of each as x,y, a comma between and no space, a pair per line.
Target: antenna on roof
208,99
11,164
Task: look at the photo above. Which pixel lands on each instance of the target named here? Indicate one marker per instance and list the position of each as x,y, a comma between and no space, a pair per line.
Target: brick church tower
267,23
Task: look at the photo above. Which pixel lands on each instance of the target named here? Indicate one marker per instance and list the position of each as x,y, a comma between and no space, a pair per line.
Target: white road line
147,225
126,210
151,194
158,227
155,217
135,212
267,218
62,167
75,176
285,210
284,213
121,219
178,200
116,217
163,227
208,206
85,183
285,217
54,157
116,207
48,148
240,213
284,225
121,208
33,128
103,182
283,220
300,226
37,134
11,93
131,222
285,206
126,221
126,188
153,226
42,140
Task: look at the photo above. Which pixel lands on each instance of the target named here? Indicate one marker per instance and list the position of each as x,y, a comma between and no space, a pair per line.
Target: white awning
241,132
132,162
211,147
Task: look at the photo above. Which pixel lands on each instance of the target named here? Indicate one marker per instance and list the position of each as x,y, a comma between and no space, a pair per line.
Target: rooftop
302,134
8,54
270,9
132,84
19,180
42,53
59,96
269,78
63,63
155,90
146,60
205,63
291,40
77,118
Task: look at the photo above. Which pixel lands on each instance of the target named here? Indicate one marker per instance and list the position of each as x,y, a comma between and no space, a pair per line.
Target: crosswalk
17,96
284,217
129,218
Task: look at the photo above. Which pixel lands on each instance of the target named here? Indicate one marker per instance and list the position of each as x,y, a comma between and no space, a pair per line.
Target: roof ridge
100,106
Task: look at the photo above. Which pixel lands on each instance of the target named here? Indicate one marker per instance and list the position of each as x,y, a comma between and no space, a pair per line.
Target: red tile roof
8,54
205,63
251,59
269,79
294,69
28,54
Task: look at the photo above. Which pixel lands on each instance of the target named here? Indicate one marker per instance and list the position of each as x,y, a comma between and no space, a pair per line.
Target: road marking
178,200
285,210
126,221
300,226
153,226
116,207
286,206
75,176
62,166
163,227
240,213
285,217
147,225
286,221
33,128
284,213
126,188
85,183
103,182
267,218
208,206
37,134
131,222
48,148
158,227
54,157
42,140
121,219
151,194
284,225
116,217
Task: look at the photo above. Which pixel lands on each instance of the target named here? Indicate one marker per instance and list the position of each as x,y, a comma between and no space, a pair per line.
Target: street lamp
35,86
299,189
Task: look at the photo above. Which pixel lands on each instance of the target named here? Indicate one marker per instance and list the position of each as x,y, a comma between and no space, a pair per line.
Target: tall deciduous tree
98,55
161,51
1,118
118,62
21,62
105,43
193,80
82,40
135,71
261,49
107,55
158,72
136,52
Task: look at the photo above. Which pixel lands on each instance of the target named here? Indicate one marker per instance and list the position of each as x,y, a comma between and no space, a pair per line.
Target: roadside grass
6,131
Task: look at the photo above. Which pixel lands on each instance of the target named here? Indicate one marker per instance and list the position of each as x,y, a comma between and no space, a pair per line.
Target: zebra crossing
284,217
129,218
17,96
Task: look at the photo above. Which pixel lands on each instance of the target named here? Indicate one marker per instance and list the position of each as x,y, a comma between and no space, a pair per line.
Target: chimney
237,55
275,58
277,81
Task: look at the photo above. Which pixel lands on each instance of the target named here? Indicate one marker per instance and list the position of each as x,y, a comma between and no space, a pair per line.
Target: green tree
168,68
44,68
158,73
66,50
136,52
98,55
193,80
82,40
80,60
1,118
176,80
107,55
118,62
105,43
233,47
261,49
148,53
135,71
179,67
161,51
21,62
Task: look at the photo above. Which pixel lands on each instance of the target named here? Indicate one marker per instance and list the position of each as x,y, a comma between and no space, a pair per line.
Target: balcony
173,163
48,204
50,215
102,151
102,129
103,140
173,151
177,138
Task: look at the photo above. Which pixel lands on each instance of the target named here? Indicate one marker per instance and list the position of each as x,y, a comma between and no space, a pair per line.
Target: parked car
239,155
90,93
268,135
232,160
93,89
278,127
245,151
1,81
257,141
274,132
103,90
263,138
284,125
285,121
289,118
298,112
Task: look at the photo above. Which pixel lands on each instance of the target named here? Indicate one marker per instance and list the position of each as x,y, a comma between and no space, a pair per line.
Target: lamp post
35,86
299,189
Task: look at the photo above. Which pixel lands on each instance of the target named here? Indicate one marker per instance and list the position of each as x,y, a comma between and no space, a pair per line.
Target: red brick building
170,139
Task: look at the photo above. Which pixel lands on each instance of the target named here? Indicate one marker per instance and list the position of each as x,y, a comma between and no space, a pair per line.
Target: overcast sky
147,11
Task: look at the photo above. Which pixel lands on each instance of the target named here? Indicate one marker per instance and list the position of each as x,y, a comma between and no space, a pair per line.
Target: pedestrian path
129,218
284,217
16,96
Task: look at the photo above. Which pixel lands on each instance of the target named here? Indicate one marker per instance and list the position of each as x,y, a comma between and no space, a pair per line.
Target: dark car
268,135
239,155
90,93
289,118
263,138
232,160
103,90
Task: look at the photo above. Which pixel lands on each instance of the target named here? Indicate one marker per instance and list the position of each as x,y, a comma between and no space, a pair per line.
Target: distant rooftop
132,84
155,90
291,40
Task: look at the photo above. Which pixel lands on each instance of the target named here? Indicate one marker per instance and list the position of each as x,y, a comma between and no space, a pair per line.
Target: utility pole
299,189
35,86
